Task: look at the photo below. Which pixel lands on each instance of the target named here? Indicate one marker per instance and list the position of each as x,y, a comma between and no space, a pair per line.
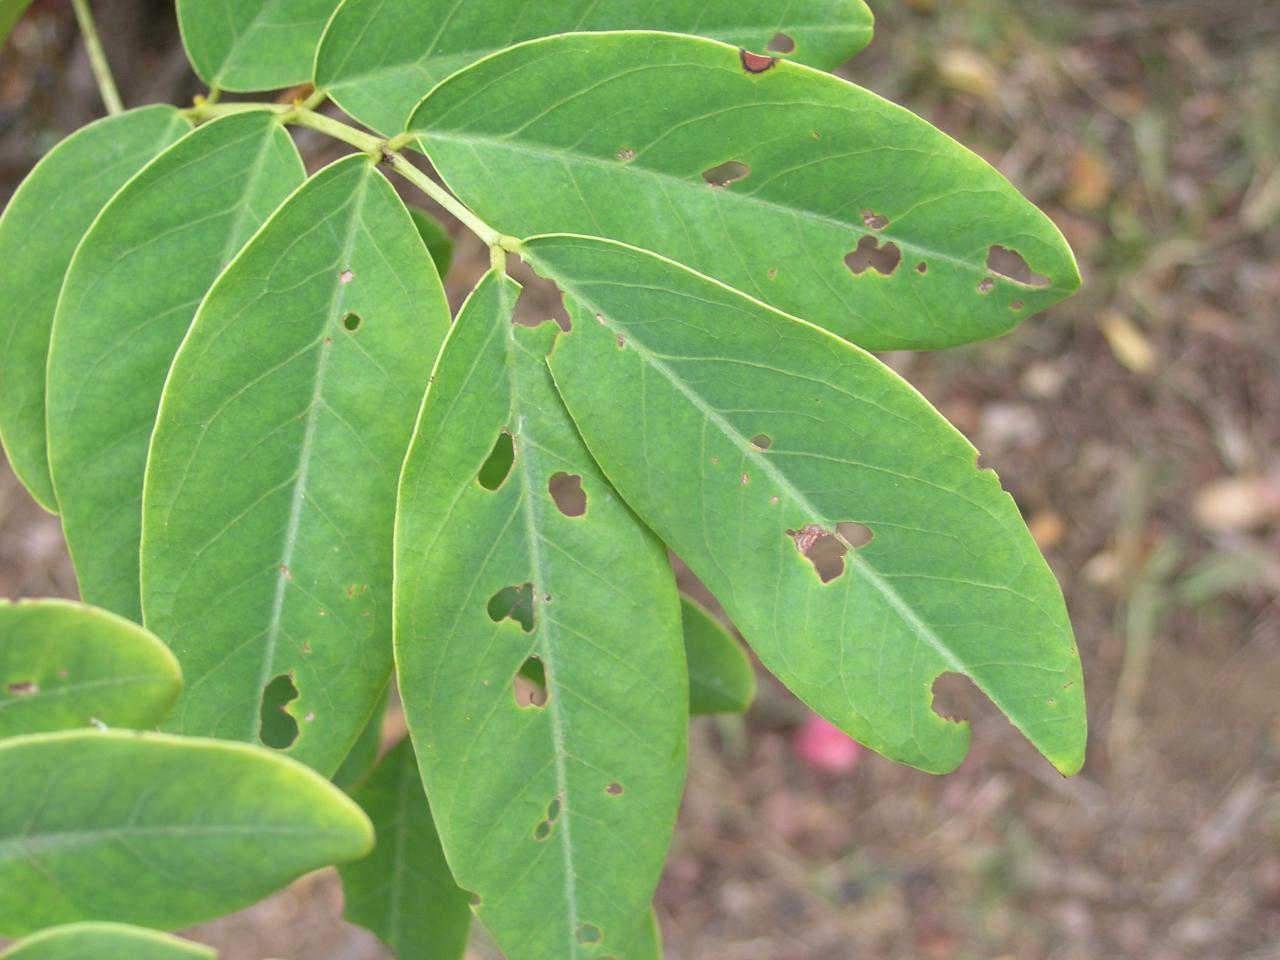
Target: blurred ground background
1138,427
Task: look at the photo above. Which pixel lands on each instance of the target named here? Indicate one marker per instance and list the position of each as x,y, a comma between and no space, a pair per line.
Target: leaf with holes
39,232
403,891
271,481
253,44
538,649
378,58
196,829
766,453
104,941
791,185
131,291
65,665
720,676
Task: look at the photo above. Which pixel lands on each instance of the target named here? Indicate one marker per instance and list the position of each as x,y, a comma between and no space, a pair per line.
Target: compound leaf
766,453
403,891
378,58
156,830
791,185
271,483
253,44
130,294
538,651
105,941
65,665
39,231
720,676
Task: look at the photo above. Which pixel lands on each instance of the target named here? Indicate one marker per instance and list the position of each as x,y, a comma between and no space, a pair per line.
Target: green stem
97,59
378,148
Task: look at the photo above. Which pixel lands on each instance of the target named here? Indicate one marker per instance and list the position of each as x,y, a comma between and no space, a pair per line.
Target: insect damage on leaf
756,62
869,254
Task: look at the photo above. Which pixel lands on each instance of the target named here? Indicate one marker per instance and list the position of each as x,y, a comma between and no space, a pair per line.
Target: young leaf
253,44
439,243
131,291
720,676
156,830
64,665
766,452
791,185
403,891
105,941
271,483
538,650
39,231
378,58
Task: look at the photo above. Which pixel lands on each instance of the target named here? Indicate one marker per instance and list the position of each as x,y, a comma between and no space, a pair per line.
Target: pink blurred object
823,746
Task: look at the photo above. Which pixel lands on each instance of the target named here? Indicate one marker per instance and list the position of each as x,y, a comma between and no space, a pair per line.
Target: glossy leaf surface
65,665
131,292
752,442
538,651
271,483
403,891
252,44
791,185
39,231
720,676
198,828
104,941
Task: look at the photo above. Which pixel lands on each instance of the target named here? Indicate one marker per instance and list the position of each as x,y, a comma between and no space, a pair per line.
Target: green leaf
253,44
271,483
439,243
545,138
156,830
359,762
64,665
10,11
130,294
756,446
720,676
105,941
39,232
378,58
403,891
538,651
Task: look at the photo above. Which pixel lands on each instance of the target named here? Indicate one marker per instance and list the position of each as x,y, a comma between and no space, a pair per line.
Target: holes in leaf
529,686
474,898
1011,265
614,789
497,466
278,729
869,254
625,154
1016,305
540,300
513,603
726,173
542,832
588,933
566,490
873,220
986,285
346,276
922,267
826,549
756,62
352,322
621,341
553,810
761,441
953,696
781,43
24,688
